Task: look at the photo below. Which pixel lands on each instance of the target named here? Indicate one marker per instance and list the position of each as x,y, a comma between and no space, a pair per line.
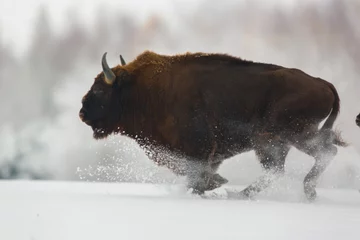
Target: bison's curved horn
108,73
122,61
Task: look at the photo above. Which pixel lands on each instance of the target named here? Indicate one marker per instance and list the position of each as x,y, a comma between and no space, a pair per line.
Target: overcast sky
17,16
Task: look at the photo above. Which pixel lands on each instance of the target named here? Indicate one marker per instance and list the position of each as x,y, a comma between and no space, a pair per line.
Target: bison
192,111
358,120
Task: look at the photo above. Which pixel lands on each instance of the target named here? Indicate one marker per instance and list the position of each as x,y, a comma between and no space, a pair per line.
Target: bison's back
245,93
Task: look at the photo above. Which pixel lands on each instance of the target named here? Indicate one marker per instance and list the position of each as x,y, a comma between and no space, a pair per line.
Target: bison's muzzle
83,116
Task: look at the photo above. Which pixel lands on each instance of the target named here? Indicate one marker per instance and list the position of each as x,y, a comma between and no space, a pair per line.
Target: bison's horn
122,61
108,73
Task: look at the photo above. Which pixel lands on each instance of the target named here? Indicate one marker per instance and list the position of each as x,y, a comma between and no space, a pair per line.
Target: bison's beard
100,133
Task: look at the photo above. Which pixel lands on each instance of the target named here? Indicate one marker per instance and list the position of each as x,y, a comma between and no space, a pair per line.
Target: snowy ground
79,210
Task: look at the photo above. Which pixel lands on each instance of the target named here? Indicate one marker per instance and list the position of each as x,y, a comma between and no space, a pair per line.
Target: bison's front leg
205,179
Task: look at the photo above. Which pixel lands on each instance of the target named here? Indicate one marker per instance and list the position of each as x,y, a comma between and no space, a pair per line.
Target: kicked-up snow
49,210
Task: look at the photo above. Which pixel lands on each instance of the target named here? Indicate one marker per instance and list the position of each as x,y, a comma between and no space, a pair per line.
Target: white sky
17,16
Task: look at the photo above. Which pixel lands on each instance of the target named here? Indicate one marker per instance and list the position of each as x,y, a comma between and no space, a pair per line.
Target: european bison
358,120
190,112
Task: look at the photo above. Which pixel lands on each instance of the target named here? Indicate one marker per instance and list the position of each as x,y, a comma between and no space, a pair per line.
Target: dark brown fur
192,111
358,120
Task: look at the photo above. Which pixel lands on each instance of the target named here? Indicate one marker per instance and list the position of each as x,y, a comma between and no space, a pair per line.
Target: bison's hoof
216,181
219,179
197,187
206,182
242,195
197,191
310,194
248,194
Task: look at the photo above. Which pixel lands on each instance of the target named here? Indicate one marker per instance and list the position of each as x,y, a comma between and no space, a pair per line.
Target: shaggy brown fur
192,111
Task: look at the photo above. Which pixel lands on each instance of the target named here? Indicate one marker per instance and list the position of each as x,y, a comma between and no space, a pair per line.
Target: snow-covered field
83,210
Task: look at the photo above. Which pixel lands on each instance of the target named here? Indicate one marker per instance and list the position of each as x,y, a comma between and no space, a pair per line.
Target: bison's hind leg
272,157
323,150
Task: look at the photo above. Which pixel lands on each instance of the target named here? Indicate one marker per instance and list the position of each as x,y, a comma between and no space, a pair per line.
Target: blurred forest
41,136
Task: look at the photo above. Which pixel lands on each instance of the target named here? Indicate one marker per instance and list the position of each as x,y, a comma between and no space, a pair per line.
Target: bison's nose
82,114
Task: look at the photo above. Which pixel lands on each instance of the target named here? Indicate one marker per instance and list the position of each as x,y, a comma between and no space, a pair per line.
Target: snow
41,210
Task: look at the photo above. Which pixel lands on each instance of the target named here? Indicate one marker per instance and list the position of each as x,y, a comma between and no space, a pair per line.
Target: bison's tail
327,127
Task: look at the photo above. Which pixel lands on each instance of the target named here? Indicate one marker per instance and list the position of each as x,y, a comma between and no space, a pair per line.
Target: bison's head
101,105
358,120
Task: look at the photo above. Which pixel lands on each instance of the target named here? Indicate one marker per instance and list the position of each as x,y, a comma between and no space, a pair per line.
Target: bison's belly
234,137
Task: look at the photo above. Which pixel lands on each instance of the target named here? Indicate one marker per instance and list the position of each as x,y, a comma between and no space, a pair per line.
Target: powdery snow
78,210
